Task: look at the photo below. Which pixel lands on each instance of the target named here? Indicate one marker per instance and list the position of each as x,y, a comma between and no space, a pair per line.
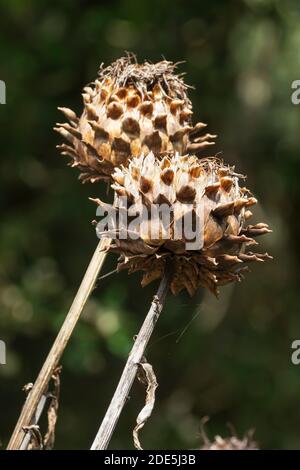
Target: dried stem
44,377
120,397
34,421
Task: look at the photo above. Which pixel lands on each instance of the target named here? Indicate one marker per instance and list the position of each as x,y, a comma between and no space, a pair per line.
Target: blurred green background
232,362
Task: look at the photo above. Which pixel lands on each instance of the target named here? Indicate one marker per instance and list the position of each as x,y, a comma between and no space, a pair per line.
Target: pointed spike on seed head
71,115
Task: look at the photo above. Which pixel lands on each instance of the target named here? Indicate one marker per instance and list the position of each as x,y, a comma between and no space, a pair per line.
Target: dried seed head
215,207
231,443
131,108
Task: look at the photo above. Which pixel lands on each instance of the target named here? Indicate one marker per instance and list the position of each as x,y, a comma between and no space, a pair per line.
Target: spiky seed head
130,109
208,191
231,443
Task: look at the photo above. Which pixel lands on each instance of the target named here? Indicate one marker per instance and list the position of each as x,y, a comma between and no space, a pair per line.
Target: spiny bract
231,443
130,109
210,191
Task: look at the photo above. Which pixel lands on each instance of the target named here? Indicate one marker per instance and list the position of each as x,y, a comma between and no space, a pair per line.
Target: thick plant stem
120,397
44,377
